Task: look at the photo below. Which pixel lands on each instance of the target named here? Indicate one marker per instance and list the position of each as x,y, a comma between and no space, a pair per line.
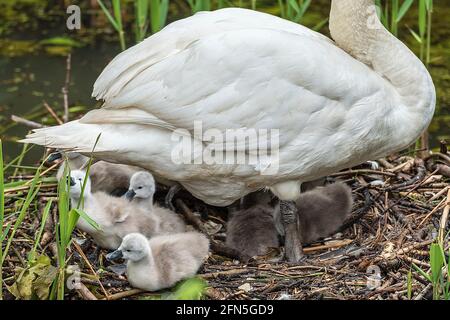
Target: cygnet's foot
292,246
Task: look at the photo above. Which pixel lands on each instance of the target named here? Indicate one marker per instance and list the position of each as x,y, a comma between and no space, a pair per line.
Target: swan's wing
261,78
178,36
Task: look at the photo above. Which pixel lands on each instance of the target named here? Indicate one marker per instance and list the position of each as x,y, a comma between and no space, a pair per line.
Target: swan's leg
292,244
170,194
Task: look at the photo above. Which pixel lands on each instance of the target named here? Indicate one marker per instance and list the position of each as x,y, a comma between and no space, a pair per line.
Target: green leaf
86,217
423,273
35,281
437,262
190,289
61,41
108,15
404,9
416,36
409,284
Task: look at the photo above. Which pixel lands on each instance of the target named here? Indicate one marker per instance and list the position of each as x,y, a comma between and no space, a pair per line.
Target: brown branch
65,89
444,219
26,122
52,113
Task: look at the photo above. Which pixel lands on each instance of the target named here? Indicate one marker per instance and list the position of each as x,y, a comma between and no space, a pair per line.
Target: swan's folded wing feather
122,116
178,36
253,78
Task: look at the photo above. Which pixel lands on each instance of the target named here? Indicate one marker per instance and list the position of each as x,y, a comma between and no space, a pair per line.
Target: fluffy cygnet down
140,193
321,212
116,217
162,261
252,231
108,177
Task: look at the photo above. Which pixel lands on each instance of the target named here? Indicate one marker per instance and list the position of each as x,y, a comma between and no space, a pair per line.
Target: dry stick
330,245
437,195
422,294
85,292
389,174
26,122
80,251
232,272
409,192
421,173
124,294
444,219
65,89
432,212
215,246
52,113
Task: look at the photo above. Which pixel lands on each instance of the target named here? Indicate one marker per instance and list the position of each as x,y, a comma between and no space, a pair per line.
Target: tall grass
439,274
392,14
67,220
293,10
159,10
423,36
115,19
200,5
141,21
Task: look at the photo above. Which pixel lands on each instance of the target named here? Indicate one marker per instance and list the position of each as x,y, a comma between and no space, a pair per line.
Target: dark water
30,75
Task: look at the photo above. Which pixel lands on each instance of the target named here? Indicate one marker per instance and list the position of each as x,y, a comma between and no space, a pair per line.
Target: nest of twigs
400,208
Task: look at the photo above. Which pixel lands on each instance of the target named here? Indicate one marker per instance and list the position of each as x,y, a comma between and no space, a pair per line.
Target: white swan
335,104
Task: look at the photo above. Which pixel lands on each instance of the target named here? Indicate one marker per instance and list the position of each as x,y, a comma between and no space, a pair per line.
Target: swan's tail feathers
71,136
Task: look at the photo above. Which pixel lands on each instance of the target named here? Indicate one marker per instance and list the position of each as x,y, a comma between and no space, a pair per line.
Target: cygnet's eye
139,187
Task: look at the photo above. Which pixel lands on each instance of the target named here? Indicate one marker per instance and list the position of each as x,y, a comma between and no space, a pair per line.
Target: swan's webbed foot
289,217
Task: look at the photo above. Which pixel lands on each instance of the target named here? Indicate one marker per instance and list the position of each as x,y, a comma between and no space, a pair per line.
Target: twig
232,272
421,173
65,89
444,219
26,122
52,113
124,294
85,292
361,171
422,294
432,212
77,247
190,217
330,245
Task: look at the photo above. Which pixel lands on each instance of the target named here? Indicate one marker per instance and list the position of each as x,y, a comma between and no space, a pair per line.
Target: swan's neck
356,29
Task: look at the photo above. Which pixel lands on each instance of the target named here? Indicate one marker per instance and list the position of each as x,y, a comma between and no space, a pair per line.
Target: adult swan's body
335,104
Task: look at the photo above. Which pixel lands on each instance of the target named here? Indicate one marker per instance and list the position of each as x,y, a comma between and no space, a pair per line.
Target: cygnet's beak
114,255
72,182
54,156
130,194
